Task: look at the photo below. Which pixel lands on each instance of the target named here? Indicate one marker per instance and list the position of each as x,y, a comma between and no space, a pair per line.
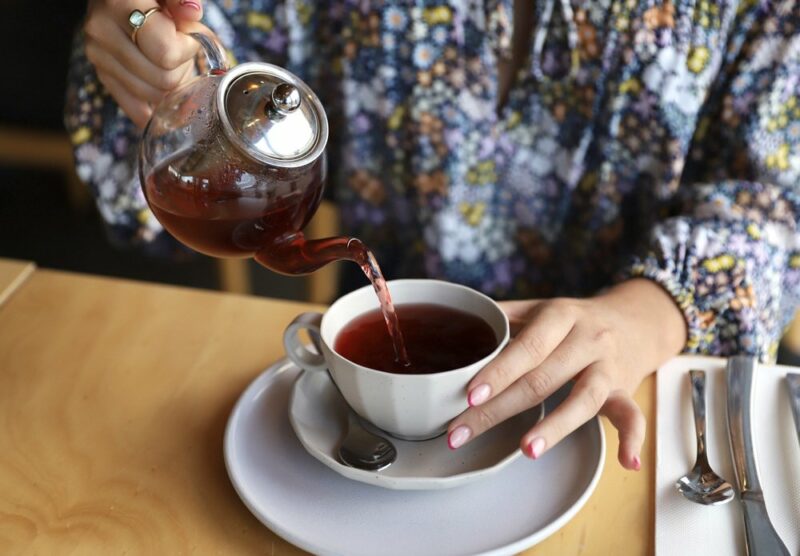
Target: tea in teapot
233,165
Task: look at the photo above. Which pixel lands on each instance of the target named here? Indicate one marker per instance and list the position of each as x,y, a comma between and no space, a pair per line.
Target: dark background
47,217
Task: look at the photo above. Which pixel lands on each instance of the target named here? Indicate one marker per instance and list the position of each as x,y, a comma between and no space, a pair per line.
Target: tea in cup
450,333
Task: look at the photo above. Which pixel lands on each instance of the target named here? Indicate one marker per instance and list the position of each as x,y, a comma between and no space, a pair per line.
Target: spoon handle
698,380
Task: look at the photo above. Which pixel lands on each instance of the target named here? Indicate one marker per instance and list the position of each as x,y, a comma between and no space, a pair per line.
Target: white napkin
686,528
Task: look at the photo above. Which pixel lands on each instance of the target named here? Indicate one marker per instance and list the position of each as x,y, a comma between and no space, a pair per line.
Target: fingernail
458,436
637,463
536,447
190,4
478,395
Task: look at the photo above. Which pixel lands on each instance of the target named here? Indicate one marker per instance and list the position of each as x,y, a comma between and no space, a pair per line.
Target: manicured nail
458,436
637,463
478,395
190,4
536,447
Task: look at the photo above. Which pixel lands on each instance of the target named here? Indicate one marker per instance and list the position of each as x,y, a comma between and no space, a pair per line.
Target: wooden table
12,275
114,396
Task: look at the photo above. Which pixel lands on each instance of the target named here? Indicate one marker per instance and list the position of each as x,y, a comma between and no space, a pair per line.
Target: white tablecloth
686,528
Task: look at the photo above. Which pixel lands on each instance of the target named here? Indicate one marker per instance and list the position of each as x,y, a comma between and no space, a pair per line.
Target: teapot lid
272,115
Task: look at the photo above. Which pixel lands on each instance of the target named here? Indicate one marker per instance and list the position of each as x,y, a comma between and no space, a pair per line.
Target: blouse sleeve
730,256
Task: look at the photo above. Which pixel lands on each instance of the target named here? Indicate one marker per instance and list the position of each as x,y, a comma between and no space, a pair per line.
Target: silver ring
137,19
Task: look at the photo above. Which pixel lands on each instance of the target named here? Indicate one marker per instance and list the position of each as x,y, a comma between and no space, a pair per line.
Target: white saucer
322,512
318,415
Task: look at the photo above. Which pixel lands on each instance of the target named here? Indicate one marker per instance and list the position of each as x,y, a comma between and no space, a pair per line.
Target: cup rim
480,363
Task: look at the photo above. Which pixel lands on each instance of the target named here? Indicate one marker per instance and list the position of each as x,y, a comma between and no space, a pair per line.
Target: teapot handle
214,53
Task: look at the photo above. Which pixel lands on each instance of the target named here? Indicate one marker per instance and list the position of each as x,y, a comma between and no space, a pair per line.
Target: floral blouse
655,138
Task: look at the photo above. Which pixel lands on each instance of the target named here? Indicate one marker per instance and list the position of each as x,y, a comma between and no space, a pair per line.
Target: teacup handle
296,350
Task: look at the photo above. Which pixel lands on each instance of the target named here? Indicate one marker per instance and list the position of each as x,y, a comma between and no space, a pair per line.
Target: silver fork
701,484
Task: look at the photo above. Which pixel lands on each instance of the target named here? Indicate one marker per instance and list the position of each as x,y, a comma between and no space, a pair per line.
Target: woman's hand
606,344
139,75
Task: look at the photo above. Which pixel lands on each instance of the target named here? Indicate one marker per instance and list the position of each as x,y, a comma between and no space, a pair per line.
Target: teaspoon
363,449
701,484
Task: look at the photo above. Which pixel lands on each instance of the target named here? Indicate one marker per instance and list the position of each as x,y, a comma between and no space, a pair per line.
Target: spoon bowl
703,486
363,449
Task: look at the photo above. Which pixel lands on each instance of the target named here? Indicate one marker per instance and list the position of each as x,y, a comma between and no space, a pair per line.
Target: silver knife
760,536
793,385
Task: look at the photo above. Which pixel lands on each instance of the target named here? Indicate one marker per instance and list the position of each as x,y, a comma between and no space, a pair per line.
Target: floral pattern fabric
672,151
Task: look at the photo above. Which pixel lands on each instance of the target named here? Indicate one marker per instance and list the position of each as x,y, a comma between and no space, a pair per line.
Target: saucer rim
376,478
249,395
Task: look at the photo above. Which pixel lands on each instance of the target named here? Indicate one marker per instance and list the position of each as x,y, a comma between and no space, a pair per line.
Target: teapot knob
285,98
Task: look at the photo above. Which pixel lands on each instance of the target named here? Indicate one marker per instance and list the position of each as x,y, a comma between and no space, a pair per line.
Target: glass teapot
233,165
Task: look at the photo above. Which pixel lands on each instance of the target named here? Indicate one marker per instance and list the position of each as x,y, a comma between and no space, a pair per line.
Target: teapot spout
297,255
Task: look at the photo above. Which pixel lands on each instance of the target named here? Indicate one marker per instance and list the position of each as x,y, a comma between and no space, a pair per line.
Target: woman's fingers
629,420
121,47
161,42
519,312
477,420
548,326
532,388
162,59
584,340
588,395
105,63
136,109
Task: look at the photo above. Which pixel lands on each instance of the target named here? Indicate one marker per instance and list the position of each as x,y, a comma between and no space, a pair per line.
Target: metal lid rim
261,67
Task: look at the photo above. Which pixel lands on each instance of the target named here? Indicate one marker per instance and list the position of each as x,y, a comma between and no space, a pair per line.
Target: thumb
184,11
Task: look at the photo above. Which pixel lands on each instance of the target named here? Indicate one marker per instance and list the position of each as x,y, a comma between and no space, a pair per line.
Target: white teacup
408,406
